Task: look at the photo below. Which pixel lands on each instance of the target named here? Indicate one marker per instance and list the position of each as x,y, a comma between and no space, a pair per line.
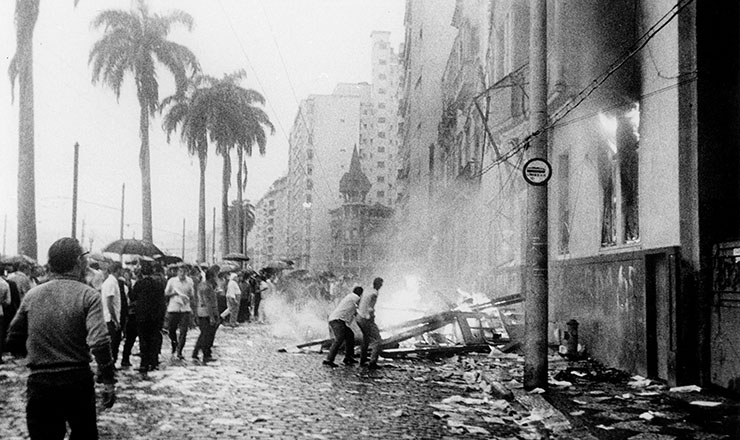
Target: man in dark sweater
147,298
58,324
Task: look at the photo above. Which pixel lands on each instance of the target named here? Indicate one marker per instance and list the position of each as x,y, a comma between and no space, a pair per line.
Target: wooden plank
417,331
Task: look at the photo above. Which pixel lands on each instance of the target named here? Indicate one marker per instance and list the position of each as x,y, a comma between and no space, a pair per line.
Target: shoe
373,366
125,364
209,359
180,356
349,361
330,364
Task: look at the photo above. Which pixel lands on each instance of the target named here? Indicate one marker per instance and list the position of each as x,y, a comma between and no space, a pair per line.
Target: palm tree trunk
26,169
240,210
146,176
225,179
202,205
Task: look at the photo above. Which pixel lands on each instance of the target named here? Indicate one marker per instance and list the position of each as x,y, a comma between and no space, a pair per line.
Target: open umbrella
17,259
167,260
236,256
132,246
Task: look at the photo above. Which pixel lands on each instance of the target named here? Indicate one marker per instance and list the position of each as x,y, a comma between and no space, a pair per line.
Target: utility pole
74,189
213,255
183,239
5,231
123,198
535,310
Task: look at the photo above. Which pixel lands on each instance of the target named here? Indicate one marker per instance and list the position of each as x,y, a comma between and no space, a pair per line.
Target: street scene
506,219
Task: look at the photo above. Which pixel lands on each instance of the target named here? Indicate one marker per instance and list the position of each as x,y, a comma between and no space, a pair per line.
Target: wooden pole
123,199
74,188
183,239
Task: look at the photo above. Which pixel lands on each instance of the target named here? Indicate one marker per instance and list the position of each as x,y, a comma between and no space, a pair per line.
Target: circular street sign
537,171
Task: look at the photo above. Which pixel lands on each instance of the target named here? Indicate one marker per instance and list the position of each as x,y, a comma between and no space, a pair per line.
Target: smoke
302,320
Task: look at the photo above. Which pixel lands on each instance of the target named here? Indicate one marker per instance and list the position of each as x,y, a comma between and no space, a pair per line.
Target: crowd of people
75,309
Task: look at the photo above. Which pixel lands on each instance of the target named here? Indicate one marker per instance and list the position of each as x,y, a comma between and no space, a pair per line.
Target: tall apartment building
324,133
379,139
326,130
268,239
643,228
427,43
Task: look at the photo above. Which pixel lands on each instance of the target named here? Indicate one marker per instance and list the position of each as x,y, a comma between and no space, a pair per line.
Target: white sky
321,43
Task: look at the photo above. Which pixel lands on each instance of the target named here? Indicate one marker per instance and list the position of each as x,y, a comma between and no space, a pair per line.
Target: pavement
254,391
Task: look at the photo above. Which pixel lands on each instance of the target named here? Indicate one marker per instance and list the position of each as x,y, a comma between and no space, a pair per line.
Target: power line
290,82
574,102
259,82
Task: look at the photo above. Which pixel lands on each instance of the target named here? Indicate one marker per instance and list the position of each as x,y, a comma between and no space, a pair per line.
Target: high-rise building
326,130
268,239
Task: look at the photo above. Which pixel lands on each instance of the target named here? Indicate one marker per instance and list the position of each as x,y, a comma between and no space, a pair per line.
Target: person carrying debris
366,322
339,321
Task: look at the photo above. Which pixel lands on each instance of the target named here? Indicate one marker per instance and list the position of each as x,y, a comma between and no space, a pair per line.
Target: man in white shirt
179,293
366,322
233,300
111,301
339,321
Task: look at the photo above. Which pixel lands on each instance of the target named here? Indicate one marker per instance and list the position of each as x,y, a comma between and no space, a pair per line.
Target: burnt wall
606,295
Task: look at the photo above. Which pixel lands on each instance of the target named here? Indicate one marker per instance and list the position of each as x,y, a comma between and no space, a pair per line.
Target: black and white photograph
370,219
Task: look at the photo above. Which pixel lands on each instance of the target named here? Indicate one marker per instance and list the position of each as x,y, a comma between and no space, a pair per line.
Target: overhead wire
581,96
292,88
259,82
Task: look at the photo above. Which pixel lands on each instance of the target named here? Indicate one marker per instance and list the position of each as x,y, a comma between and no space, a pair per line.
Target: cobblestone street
255,391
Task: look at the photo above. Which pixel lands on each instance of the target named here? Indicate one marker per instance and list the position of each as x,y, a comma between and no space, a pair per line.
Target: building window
381,164
308,198
381,134
381,194
381,149
381,105
381,91
309,170
618,161
381,179
309,184
381,120
309,154
381,76
563,204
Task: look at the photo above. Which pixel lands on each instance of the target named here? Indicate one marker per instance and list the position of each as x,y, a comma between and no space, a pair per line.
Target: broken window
618,163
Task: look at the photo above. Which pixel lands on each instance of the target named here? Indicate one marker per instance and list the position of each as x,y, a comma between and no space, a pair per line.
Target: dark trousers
370,338
2,335
342,334
150,342
130,335
178,321
256,305
115,339
55,399
206,337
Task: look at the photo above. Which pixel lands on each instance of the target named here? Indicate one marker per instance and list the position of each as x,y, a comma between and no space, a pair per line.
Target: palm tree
21,68
130,44
244,126
219,110
190,111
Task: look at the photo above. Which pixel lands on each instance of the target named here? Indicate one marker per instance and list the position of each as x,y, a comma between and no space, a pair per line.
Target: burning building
643,205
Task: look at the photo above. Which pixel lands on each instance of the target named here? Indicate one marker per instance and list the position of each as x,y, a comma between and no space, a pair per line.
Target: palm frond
116,19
